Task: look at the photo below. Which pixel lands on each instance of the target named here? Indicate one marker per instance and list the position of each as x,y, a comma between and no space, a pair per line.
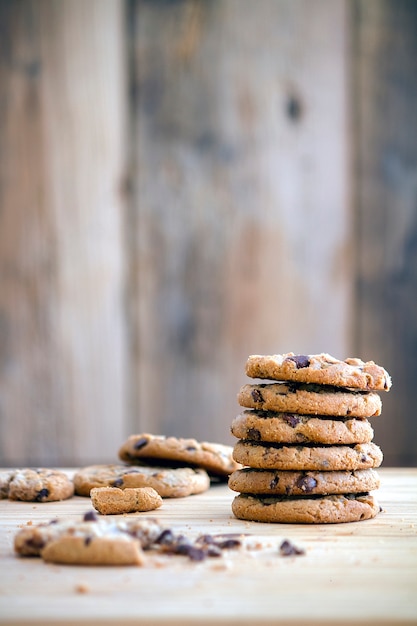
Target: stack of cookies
305,440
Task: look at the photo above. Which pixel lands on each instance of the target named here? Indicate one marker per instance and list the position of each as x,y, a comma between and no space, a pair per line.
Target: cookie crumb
82,588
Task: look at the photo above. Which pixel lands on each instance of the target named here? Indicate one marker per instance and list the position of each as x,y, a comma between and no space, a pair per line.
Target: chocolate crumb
90,516
289,549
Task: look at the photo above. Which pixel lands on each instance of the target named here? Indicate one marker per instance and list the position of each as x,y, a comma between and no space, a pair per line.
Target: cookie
36,485
91,541
215,458
293,428
306,510
167,482
307,457
322,369
115,501
310,399
298,483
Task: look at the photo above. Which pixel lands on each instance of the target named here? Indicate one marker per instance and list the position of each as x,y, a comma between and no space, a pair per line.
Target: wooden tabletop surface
350,573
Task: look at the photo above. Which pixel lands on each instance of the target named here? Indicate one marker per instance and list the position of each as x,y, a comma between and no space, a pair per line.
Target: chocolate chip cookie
169,482
215,458
298,483
305,509
293,428
307,457
36,485
310,399
322,369
91,541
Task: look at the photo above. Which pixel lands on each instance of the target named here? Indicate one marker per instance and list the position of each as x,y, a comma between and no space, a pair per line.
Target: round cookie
310,399
293,428
308,457
298,483
149,449
322,369
39,485
306,510
168,482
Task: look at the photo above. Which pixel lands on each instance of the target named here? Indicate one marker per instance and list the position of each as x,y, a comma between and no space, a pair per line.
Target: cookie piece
310,399
307,457
37,485
322,369
114,501
298,483
168,482
215,458
91,541
293,428
306,510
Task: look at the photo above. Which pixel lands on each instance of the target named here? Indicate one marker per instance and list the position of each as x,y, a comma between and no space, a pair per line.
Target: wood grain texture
62,346
385,89
243,235
350,574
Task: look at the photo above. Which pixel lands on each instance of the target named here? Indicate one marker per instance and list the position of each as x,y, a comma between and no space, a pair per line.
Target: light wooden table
357,573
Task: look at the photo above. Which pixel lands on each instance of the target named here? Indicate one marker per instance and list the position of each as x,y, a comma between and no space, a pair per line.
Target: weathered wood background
186,183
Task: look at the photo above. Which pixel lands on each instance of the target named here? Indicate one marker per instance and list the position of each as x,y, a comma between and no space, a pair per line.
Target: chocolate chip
289,549
274,482
228,544
90,516
35,542
364,458
167,537
254,434
291,419
306,483
300,360
117,483
42,494
257,396
191,449
140,443
88,540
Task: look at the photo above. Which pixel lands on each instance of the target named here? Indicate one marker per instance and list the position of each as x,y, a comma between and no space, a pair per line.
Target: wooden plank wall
185,183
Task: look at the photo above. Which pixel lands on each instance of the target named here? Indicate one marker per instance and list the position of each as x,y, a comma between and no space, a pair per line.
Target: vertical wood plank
244,240
62,363
385,35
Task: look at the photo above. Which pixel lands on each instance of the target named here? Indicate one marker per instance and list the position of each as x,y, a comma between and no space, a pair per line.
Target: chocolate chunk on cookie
310,399
36,485
307,457
293,428
215,458
322,369
168,482
298,483
305,509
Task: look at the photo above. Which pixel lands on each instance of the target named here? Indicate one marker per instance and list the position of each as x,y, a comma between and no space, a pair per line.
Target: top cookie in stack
306,440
